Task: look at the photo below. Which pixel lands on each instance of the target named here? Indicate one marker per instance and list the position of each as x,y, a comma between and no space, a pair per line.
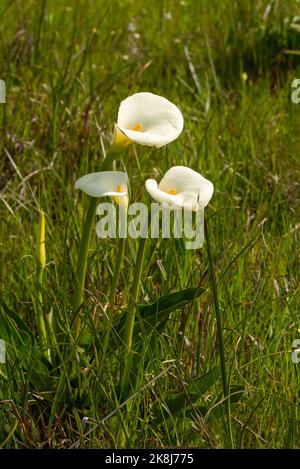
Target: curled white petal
148,119
161,196
181,187
103,183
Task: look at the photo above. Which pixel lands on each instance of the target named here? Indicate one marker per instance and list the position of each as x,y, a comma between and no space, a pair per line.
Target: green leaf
176,404
168,303
236,392
12,328
154,316
20,340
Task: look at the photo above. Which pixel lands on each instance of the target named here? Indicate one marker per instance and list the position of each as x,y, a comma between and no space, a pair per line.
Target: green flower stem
219,333
82,259
84,247
111,298
134,295
131,309
129,325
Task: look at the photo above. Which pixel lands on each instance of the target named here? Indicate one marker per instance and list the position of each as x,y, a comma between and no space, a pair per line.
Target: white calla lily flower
181,187
147,119
105,183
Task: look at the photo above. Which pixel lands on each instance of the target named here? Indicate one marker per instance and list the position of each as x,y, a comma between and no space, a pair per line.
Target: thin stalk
84,247
82,259
219,333
135,289
129,325
38,31
112,295
131,309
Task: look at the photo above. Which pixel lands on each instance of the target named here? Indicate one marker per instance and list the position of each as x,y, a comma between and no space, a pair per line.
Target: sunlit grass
67,65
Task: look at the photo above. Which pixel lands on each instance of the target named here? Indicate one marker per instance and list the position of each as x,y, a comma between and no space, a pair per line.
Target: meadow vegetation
229,66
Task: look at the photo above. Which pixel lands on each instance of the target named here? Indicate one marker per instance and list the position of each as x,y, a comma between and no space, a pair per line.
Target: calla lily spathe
103,183
147,119
181,187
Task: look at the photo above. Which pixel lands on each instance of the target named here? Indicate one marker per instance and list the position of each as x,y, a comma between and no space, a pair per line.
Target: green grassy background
229,66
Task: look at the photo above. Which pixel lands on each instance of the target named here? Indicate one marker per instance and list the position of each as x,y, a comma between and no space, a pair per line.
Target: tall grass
229,66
